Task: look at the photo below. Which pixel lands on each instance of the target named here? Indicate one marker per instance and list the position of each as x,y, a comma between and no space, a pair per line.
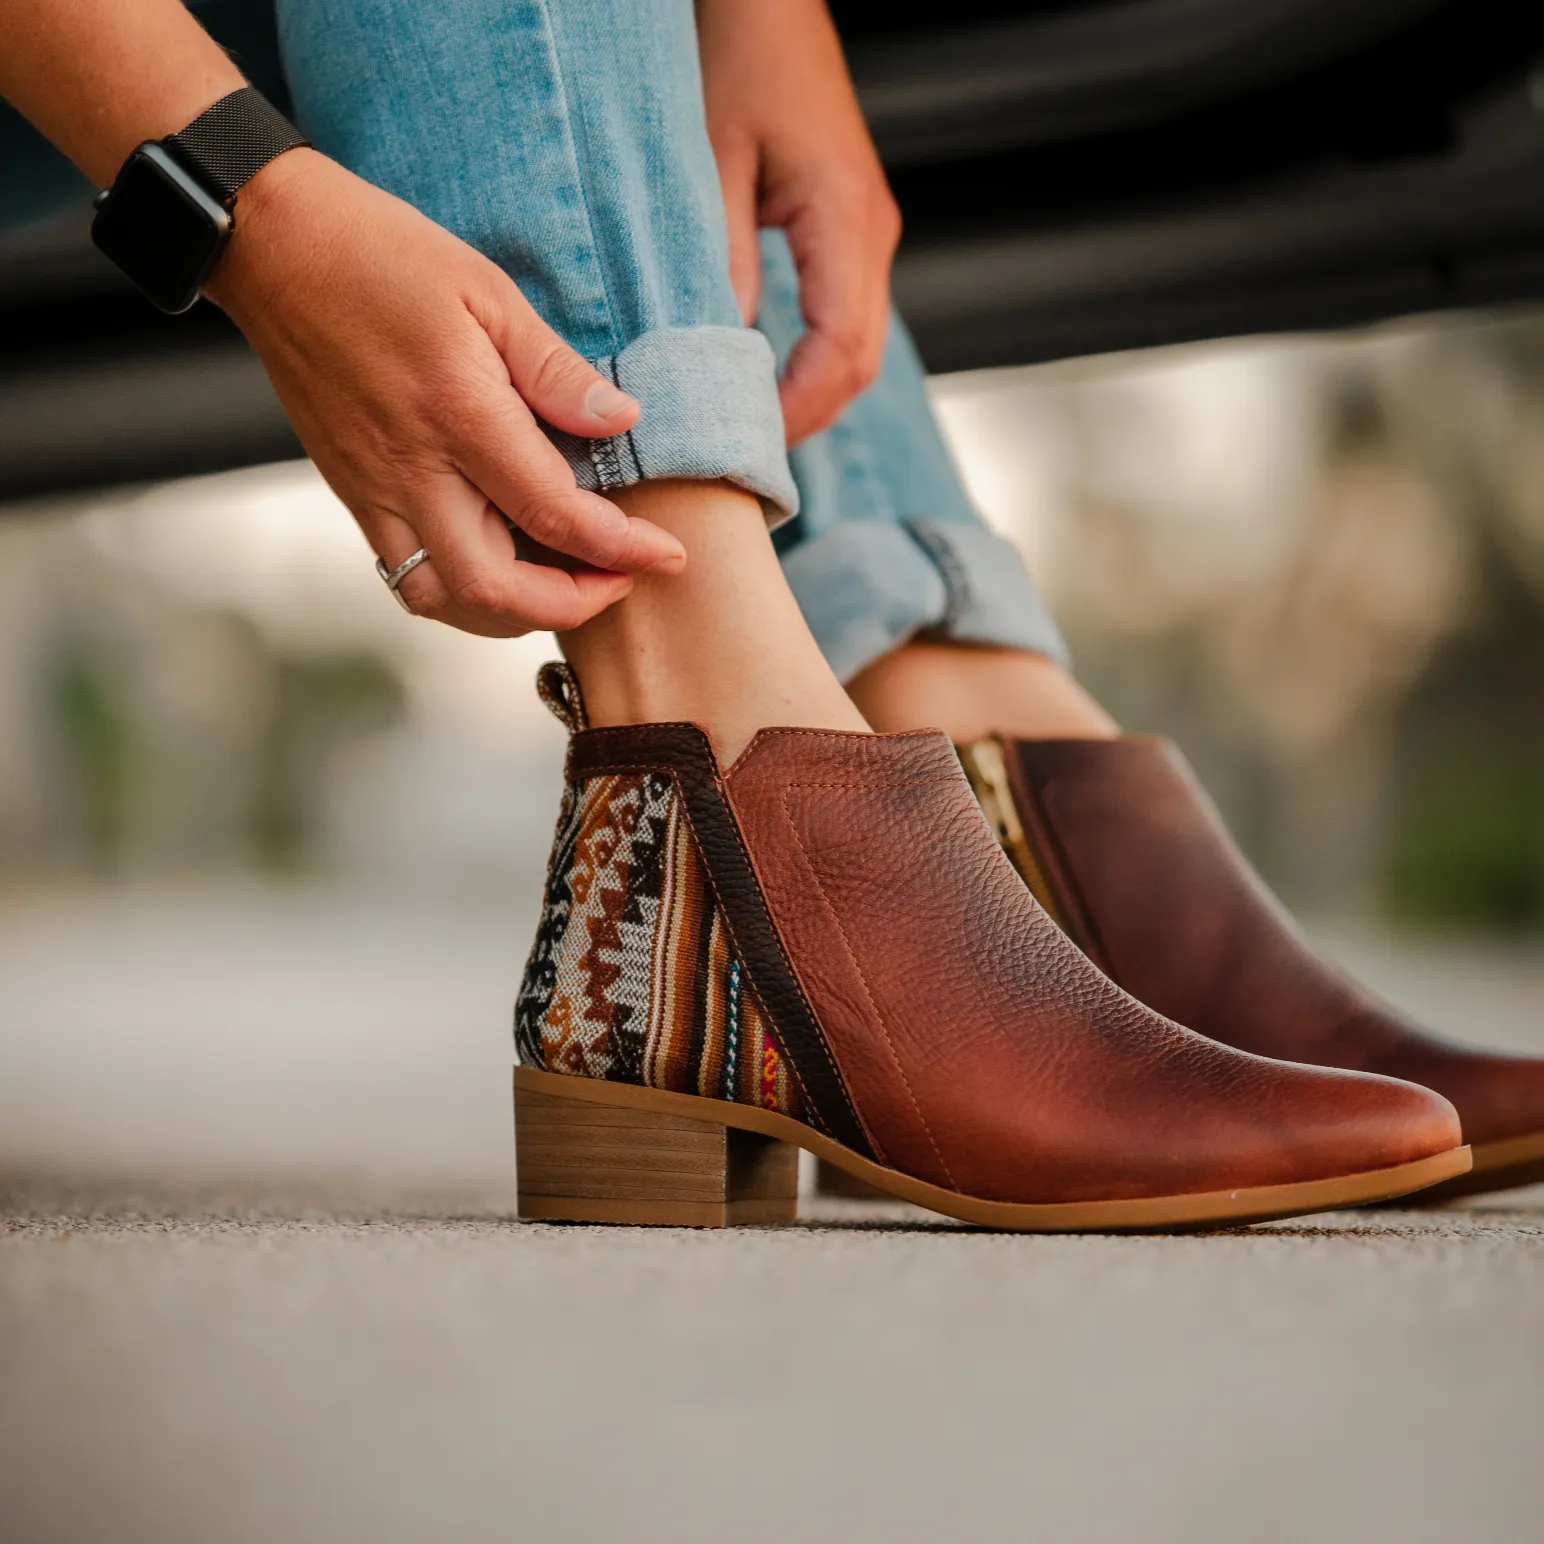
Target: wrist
271,208
171,212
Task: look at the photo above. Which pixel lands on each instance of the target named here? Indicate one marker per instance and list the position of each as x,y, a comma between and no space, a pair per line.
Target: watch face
161,228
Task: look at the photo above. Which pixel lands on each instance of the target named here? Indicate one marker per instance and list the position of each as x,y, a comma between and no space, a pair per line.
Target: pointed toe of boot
1361,1124
1400,1123
1122,846
1499,1099
1251,1124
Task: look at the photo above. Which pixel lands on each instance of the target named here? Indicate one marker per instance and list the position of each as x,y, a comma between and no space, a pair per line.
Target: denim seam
607,461
951,570
576,166
604,456
632,444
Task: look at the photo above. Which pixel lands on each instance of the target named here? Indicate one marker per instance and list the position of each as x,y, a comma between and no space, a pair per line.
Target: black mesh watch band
233,140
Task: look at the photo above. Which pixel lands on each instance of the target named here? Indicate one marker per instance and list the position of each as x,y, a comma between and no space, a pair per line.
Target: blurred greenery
97,738
245,775
1467,847
1318,564
319,705
1465,844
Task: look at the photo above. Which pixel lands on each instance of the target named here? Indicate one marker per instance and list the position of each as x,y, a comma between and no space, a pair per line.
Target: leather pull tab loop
558,687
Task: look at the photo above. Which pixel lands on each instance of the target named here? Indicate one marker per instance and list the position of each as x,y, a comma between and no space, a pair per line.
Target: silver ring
393,577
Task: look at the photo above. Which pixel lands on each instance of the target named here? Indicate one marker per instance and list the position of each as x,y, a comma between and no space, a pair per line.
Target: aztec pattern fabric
633,976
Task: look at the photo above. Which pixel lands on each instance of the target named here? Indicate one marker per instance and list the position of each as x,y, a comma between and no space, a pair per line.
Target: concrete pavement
259,1282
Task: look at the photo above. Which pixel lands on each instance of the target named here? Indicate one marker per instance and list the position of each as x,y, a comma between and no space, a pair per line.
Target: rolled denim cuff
710,413
866,586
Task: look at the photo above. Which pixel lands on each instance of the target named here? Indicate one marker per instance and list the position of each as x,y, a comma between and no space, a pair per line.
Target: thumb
563,387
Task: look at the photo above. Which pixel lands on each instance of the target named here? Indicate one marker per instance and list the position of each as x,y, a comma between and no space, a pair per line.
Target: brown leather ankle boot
823,947
1122,847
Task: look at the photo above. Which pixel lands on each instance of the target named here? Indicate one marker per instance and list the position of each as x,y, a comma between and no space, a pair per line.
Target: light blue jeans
566,140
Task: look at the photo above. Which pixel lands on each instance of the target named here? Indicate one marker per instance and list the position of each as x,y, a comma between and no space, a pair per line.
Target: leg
566,140
973,690
722,644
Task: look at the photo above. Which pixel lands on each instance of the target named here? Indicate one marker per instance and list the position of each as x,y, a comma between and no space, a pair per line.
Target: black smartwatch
171,208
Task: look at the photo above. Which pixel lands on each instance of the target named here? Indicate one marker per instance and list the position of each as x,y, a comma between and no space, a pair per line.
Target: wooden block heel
578,1161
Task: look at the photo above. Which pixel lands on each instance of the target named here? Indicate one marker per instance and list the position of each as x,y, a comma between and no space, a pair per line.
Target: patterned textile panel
633,976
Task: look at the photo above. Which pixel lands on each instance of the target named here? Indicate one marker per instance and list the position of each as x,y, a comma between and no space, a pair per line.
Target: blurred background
1318,562
270,851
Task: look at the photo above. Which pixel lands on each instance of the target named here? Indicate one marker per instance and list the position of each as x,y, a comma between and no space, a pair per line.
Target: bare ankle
722,643
970,691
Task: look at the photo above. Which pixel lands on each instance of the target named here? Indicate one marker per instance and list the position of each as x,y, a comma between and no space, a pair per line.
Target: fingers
844,292
503,451
423,589
737,172
474,555
497,463
473,580
524,474
394,541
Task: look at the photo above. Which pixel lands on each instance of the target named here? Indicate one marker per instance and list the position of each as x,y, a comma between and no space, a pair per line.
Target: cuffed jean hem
867,586
710,413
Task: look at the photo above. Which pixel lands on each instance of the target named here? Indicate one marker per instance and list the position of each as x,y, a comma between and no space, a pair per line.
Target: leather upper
982,1050
1149,883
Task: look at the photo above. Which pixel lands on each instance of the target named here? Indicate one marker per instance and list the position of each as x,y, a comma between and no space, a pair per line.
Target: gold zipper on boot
987,768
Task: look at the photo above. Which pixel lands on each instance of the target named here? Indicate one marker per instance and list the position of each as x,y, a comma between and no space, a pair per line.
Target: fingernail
603,400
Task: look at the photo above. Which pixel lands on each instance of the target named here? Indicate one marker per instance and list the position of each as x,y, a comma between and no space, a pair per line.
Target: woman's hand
411,368
793,152
409,365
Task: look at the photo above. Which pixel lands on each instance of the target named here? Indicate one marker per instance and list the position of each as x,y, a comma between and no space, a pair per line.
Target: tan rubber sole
1497,1166
591,1151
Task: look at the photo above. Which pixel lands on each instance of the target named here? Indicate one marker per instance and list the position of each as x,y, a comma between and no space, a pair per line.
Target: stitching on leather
627,731
912,782
595,769
766,737
857,966
612,730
